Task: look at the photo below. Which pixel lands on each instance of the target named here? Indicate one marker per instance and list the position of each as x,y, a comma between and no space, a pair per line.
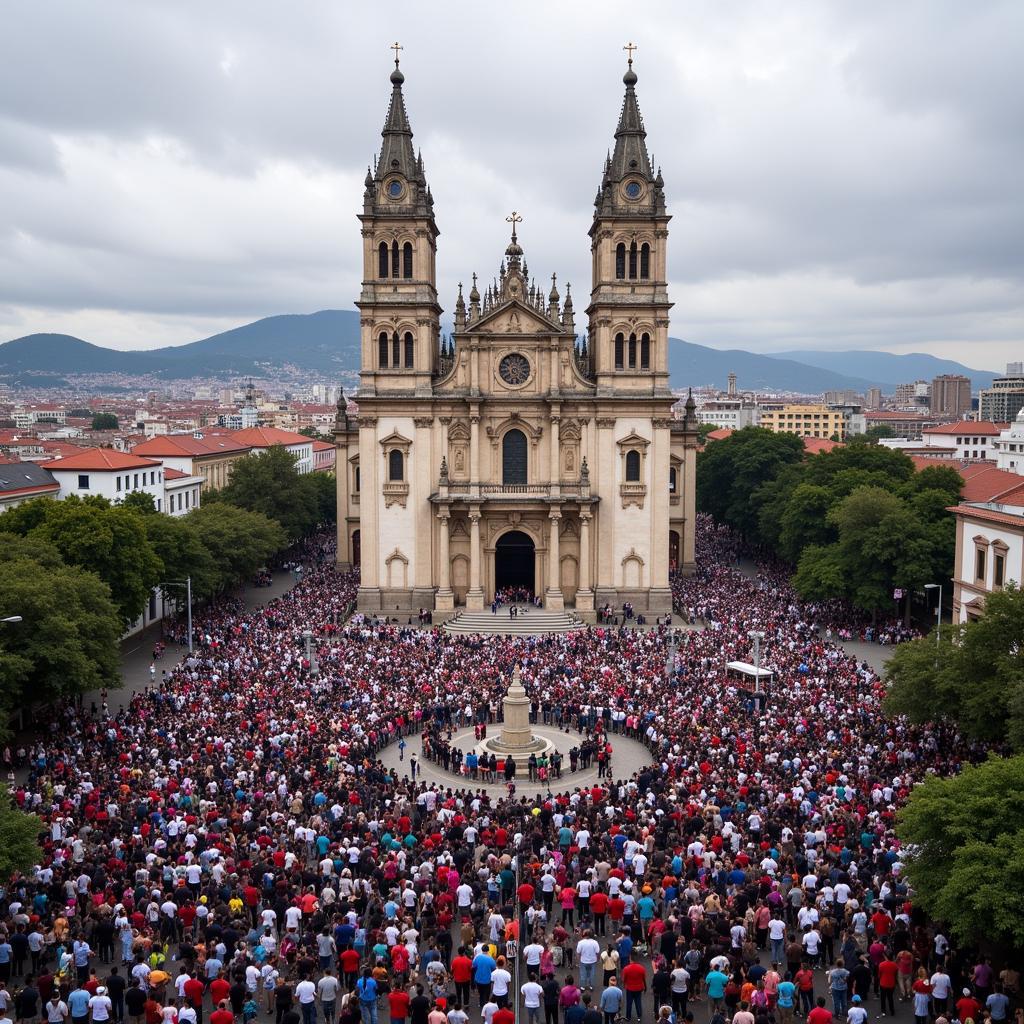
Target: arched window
408,351
513,458
396,351
632,351
632,260
396,465
620,260
357,480
382,259
394,258
382,347
645,351
672,480
407,260
645,261
632,467
619,342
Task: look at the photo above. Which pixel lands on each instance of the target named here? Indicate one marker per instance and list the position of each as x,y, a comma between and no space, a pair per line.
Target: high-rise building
1005,398
951,395
874,398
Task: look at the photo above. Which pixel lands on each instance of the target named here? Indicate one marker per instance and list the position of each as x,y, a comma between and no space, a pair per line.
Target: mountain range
326,344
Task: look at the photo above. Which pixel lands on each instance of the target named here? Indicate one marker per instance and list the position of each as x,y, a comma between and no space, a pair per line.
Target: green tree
730,471
19,838
312,432
104,421
966,834
878,431
325,489
67,641
270,484
177,543
238,541
703,429
140,501
974,678
109,540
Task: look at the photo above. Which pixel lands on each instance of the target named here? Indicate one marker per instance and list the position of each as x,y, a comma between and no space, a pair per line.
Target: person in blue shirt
625,948
484,965
78,1004
366,990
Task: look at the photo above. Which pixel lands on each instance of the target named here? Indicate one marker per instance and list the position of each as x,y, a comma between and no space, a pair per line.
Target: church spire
396,154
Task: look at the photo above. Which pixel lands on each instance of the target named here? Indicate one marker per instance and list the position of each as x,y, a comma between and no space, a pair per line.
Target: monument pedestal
516,739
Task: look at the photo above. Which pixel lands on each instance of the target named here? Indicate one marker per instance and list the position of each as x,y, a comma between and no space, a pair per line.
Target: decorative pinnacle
397,48
629,48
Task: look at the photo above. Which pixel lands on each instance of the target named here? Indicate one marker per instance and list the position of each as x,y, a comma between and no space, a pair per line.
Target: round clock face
633,190
395,189
514,369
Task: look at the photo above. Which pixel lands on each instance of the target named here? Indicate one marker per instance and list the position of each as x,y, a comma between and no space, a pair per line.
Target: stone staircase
529,622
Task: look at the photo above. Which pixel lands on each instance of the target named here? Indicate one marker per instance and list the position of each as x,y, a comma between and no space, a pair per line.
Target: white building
971,439
989,552
732,413
1009,446
108,473
259,439
181,492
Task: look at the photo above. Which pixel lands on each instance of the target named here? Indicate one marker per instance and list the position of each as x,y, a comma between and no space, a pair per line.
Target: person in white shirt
588,950
56,1010
532,996
100,1006
501,979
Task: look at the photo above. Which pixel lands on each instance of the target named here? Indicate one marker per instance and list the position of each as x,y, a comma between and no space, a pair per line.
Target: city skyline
838,179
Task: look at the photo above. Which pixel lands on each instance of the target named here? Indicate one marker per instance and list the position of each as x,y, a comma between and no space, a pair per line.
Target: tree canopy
966,840
270,484
239,541
974,678
104,421
109,540
67,641
730,471
19,838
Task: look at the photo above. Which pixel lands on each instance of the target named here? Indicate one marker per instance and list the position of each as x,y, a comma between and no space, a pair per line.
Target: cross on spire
513,219
629,48
397,48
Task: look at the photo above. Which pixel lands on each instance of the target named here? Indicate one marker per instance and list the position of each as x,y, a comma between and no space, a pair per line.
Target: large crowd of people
231,846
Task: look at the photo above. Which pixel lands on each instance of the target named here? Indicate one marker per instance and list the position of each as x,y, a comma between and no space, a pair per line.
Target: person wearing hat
856,1014
100,1006
56,1009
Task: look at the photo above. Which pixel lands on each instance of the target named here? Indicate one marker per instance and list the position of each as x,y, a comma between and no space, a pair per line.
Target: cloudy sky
840,174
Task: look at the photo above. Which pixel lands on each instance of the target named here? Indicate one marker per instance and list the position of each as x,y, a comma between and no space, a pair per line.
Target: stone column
474,451
585,596
475,595
553,597
444,601
555,470
515,730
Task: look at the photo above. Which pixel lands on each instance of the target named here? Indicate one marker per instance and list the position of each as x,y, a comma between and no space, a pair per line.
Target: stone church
521,451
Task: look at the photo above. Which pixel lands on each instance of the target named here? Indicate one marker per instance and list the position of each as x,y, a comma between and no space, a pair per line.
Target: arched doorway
356,552
514,560
673,550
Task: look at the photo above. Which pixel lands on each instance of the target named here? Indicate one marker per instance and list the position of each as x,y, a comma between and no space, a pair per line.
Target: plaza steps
529,622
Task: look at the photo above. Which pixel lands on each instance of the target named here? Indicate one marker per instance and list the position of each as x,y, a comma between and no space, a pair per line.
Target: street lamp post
12,619
188,597
938,610
757,636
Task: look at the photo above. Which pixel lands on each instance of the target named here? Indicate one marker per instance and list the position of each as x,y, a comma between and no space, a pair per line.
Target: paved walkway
628,756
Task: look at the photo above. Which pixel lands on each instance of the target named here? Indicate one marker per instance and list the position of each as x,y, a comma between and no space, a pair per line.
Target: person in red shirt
599,908
222,1015
525,894
888,970
194,993
398,1005
504,1016
967,1007
350,967
821,1014
462,975
634,981
220,989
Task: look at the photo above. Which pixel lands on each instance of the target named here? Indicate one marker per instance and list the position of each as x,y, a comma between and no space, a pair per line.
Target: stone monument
516,740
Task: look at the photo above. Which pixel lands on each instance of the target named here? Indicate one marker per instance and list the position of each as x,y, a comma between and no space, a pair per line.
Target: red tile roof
185,445
815,445
322,446
989,515
264,437
719,434
982,480
98,460
977,428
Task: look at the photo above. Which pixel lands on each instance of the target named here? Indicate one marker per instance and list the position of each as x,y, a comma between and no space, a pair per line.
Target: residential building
732,413
902,424
969,439
259,439
805,420
23,481
909,396
1008,447
324,457
109,474
1005,398
182,492
210,457
989,553
951,395
874,398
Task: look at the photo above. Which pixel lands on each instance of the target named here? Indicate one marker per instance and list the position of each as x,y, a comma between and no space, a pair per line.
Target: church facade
518,453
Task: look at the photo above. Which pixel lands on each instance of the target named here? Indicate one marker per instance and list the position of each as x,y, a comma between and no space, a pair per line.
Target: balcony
513,492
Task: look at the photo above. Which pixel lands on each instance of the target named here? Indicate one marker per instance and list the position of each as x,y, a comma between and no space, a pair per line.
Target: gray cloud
840,175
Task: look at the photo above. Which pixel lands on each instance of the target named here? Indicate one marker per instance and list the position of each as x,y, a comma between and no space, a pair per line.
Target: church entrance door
514,560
